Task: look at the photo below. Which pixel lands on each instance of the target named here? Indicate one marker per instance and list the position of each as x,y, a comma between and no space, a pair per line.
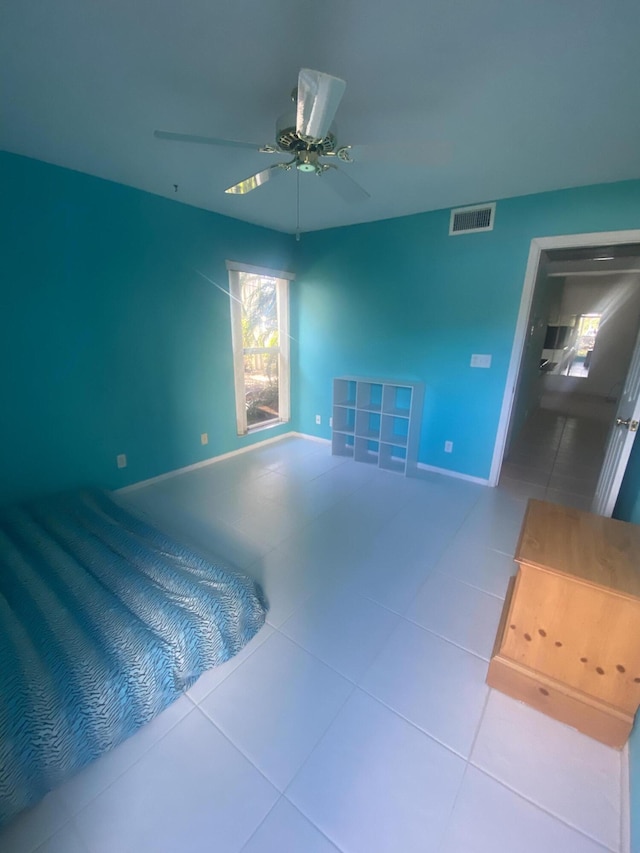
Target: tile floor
558,454
358,719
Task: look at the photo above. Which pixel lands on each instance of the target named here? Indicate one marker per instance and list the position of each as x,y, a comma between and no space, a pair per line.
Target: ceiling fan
307,134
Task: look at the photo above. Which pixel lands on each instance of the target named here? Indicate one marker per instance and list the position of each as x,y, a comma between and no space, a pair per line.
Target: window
568,350
585,341
260,337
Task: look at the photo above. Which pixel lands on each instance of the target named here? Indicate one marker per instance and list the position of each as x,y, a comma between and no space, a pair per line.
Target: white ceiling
485,100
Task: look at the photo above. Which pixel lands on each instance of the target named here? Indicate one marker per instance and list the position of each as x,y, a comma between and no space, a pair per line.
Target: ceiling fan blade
204,140
258,179
319,95
344,185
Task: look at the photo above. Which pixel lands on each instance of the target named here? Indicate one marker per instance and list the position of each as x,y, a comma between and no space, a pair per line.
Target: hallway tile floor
557,457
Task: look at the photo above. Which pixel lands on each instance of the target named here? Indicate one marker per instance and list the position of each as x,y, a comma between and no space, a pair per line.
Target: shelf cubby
344,419
395,429
397,400
342,444
367,424
367,450
393,457
369,396
344,392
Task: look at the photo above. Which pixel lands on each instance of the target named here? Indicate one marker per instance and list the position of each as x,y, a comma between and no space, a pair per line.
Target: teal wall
402,299
110,341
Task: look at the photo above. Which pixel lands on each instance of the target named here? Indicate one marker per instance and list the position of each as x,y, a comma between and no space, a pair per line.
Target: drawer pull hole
543,691
600,670
620,668
527,638
558,643
542,632
584,660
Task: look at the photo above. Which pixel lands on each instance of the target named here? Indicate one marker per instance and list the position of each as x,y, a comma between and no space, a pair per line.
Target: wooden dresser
568,642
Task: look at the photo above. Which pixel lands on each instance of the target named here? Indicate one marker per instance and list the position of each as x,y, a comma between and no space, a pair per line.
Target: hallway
558,453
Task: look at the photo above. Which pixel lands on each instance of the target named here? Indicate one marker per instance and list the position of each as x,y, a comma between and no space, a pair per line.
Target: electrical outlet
318,419
204,438
448,447
480,360
331,422
121,460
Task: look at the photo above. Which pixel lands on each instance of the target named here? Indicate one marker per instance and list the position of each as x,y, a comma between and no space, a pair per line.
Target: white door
621,438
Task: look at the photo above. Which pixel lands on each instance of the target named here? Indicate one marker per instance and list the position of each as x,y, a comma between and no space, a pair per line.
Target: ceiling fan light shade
319,96
307,161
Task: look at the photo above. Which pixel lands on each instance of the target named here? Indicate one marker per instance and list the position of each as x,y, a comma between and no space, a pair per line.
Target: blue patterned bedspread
104,621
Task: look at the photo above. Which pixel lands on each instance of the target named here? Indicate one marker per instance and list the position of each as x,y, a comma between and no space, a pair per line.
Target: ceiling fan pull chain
297,206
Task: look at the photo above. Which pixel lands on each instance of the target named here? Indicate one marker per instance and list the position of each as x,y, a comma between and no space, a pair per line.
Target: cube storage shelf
377,421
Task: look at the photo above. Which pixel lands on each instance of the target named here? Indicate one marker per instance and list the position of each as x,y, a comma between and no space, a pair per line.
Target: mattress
104,621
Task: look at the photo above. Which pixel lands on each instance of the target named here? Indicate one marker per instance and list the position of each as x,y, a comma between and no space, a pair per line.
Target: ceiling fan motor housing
288,139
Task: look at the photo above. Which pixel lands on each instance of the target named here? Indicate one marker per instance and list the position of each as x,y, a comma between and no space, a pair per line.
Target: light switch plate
480,360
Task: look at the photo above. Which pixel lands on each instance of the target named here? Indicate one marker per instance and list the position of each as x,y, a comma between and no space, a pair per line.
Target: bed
104,621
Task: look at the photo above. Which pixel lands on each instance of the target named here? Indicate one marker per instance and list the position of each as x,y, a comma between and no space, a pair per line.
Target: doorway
576,335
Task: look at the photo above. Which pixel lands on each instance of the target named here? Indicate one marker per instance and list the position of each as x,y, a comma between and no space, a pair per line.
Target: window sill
265,425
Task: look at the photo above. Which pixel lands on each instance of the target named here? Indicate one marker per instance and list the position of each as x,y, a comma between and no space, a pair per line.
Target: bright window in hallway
260,336
582,351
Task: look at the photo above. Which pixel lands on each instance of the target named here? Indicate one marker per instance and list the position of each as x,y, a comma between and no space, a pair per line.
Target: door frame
538,245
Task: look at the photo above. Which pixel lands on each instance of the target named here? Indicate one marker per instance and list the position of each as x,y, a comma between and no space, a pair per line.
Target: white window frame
284,370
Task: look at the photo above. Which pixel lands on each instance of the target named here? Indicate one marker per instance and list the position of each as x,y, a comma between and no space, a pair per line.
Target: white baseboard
625,802
205,462
311,437
481,481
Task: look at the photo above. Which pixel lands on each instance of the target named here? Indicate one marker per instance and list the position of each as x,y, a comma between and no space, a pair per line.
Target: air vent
470,220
